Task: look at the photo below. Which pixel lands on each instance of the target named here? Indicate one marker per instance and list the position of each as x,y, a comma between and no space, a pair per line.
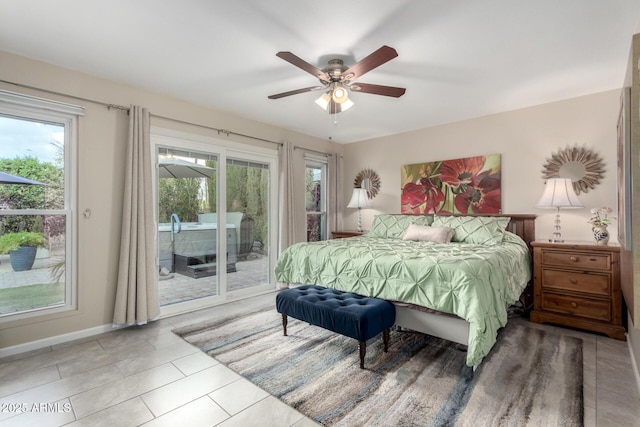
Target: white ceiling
458,59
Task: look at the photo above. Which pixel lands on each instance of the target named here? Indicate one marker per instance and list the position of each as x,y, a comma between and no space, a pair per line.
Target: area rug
531,377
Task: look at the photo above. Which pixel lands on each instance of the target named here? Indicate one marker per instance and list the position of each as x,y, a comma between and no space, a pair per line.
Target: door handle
175,221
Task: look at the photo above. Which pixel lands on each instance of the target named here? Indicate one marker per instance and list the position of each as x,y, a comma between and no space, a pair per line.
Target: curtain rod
295,147
122,107
224,131
79,98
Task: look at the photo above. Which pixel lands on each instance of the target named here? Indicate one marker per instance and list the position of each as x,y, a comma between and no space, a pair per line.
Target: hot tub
194,250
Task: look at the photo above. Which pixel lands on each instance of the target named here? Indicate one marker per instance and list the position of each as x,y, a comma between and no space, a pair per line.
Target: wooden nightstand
577,284
343,234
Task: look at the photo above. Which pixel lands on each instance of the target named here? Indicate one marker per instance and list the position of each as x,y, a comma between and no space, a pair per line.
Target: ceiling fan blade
295,92
377,58
304,65
393,91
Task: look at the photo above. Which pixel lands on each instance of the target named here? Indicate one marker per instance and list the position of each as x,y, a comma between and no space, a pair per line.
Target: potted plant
600,220
21,248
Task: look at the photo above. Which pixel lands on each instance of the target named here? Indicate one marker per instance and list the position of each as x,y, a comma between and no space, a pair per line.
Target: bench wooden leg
363,351
284,324
385,339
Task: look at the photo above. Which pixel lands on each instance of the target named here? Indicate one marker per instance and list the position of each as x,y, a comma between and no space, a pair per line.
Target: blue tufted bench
345,313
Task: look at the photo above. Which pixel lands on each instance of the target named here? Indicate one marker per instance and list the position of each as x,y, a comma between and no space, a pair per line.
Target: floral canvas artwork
468,185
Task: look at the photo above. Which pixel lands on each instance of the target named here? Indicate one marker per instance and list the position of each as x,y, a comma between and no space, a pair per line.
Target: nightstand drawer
596,284
577,260
577,306
588,261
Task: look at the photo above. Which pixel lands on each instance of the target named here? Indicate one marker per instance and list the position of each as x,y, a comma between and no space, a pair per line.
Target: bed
458,290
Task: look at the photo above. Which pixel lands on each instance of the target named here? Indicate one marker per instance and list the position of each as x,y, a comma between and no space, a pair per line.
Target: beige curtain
137,292
335,174
288,222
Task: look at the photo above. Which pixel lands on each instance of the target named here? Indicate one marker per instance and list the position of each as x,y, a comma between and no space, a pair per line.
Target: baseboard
631,336
58,339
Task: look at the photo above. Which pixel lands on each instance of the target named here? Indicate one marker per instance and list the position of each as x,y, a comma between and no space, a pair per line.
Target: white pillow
426,233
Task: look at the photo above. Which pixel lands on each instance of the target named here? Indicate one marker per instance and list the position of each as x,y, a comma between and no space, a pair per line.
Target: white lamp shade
323,101
559,193
359,199
346,105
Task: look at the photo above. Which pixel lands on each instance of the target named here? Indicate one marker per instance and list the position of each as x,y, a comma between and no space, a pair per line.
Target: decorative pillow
480,230
393,226
425,233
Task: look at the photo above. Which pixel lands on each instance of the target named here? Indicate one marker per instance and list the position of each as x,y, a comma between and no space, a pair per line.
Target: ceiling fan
337,79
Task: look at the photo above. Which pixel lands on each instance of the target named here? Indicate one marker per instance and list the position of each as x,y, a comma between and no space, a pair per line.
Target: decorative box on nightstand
577,284
343,234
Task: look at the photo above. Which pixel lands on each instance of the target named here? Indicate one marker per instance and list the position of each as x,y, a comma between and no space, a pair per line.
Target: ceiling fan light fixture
327,103
346,105
324,100
340,94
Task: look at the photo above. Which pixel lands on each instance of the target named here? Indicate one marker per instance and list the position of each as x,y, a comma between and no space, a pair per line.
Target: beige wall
101,150
525,138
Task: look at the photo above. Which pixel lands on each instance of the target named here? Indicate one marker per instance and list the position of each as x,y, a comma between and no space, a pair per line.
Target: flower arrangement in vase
599,221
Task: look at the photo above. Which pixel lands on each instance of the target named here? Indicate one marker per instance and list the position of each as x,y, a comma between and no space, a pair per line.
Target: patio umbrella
171,167
7,178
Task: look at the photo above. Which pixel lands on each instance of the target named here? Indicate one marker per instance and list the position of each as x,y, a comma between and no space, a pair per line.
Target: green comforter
475,282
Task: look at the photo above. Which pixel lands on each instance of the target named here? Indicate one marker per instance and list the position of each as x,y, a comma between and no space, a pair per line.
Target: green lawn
29,297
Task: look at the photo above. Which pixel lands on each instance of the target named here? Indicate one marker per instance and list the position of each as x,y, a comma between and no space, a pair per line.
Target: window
37,145
316,198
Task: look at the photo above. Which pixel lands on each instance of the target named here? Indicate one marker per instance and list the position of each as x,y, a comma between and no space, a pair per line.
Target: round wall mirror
584,166
369,180
366,184
573,170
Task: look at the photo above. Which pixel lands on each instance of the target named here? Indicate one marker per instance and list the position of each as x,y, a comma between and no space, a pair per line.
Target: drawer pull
573,280
573,258
574,305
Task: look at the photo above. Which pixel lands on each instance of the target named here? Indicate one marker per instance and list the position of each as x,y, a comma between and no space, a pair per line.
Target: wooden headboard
524,226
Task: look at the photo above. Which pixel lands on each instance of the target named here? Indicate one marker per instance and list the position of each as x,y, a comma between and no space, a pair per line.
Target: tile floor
148,376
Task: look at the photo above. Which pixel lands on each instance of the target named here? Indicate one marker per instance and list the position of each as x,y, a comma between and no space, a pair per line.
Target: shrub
12,241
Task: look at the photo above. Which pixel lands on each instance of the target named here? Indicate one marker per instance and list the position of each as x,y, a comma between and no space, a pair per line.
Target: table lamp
359,199
558,193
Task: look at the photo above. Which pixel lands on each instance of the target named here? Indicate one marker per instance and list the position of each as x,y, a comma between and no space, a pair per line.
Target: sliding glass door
248,202
216,221
187,225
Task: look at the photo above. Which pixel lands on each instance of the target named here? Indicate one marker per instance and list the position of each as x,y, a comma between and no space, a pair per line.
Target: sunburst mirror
369,180
584,166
